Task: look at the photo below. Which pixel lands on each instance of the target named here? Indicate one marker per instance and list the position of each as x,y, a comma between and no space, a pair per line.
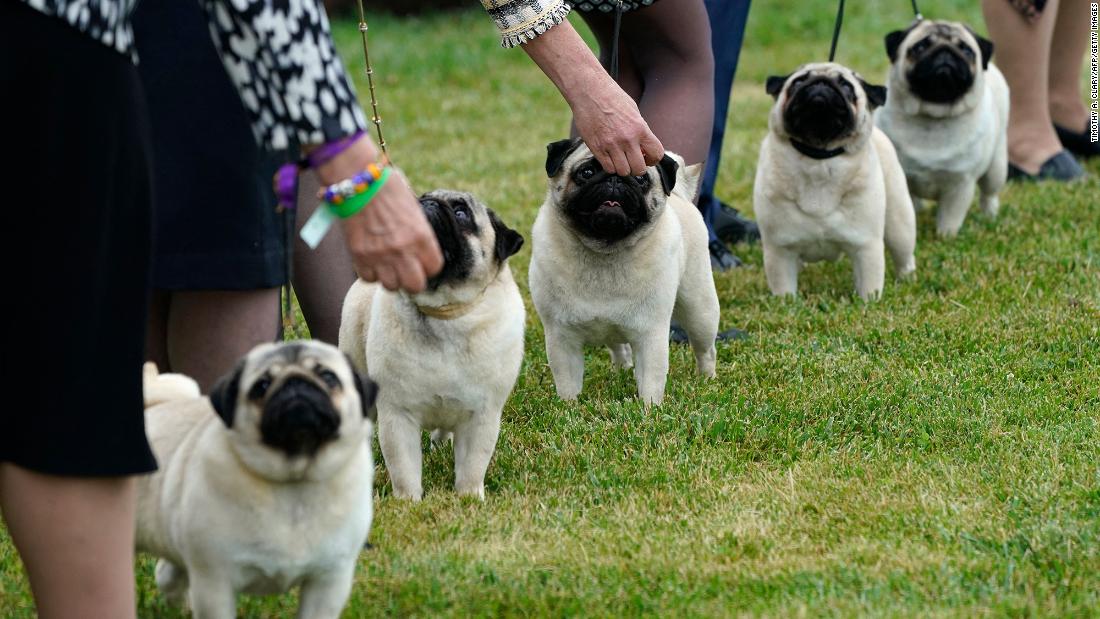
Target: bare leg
322,276
1023,53
76,538
209,330
1067,52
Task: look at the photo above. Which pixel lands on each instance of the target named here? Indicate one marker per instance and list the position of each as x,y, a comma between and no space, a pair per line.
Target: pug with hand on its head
614,259
947,115
266,485
828,182
446,358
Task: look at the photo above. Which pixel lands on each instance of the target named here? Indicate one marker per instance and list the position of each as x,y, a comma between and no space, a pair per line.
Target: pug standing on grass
828,182
263,486
948,116
446,358
614,259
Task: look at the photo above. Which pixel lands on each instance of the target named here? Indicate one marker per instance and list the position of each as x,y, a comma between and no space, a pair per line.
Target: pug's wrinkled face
474,241
938,60
824,105
602,208
294,406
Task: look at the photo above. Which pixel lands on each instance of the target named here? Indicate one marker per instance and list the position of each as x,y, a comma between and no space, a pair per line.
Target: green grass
933,454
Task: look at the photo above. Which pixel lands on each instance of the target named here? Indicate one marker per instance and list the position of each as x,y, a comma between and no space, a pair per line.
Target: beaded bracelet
349,196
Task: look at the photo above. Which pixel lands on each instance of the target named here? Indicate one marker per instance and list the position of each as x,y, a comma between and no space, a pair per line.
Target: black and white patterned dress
278,54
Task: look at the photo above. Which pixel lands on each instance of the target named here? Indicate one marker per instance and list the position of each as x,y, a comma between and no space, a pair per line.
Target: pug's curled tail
160,388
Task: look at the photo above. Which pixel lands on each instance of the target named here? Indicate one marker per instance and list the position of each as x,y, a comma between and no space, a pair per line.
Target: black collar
815,153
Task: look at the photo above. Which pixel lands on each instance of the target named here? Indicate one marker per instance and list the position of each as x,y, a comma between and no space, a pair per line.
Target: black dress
214,220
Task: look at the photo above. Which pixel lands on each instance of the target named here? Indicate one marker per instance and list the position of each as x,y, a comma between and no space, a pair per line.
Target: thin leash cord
376,118
916,11
836,30
614,69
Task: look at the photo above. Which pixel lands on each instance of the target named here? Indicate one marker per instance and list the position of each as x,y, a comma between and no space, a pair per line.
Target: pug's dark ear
556,152
774,84
876,95
893,42
985,46
508,240
666,169
223,396
368,392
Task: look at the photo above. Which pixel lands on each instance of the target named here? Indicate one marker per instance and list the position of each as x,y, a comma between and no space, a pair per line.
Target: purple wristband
286,179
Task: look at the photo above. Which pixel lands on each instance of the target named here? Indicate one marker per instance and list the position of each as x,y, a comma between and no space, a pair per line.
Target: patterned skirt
608,6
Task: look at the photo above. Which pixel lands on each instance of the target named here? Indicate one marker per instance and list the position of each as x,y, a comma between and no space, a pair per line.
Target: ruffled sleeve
521,21
280,56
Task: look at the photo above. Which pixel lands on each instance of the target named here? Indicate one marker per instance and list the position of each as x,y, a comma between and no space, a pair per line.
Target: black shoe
677,335
1080,144
721,259
733,227
1060,167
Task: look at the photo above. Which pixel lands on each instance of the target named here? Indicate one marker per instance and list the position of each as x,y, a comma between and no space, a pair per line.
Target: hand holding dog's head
824,105
294,406
602,208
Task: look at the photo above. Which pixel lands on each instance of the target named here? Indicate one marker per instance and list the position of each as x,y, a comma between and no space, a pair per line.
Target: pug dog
263,486
828,182
614,259
947,115
446,358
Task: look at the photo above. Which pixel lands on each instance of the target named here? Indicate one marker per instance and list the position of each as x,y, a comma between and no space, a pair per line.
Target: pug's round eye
259,388
642,179
966,51
849,91
330,377
462,214
919,46
587,173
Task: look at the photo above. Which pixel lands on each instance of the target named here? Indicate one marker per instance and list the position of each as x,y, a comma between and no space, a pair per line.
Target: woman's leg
1067,53
76,537
322,276
1022,52
210,330
669,44
666,65
156,331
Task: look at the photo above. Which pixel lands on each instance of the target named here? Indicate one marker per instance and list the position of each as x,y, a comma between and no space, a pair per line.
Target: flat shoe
1060,167
1080,144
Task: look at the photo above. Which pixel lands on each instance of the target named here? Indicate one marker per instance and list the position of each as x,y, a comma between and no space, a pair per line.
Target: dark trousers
727,26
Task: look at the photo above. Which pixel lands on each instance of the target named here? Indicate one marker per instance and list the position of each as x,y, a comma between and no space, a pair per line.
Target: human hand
610,124
390,240
607,118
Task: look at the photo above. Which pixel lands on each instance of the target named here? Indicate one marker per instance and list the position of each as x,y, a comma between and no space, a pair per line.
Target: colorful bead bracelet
349,196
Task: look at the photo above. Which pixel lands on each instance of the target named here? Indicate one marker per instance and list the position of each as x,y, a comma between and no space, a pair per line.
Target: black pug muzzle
609,208
457,261
818,112
299,418
943,75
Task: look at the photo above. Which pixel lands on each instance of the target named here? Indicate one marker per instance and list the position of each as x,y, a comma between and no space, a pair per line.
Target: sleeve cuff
521,21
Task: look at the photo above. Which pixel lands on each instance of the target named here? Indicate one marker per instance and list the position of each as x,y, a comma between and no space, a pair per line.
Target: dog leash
836,30
286,314
916,11
614,68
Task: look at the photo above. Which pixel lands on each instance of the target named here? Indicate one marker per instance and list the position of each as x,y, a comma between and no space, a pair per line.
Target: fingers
652,149
636,161
621,164
604,157
410,275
